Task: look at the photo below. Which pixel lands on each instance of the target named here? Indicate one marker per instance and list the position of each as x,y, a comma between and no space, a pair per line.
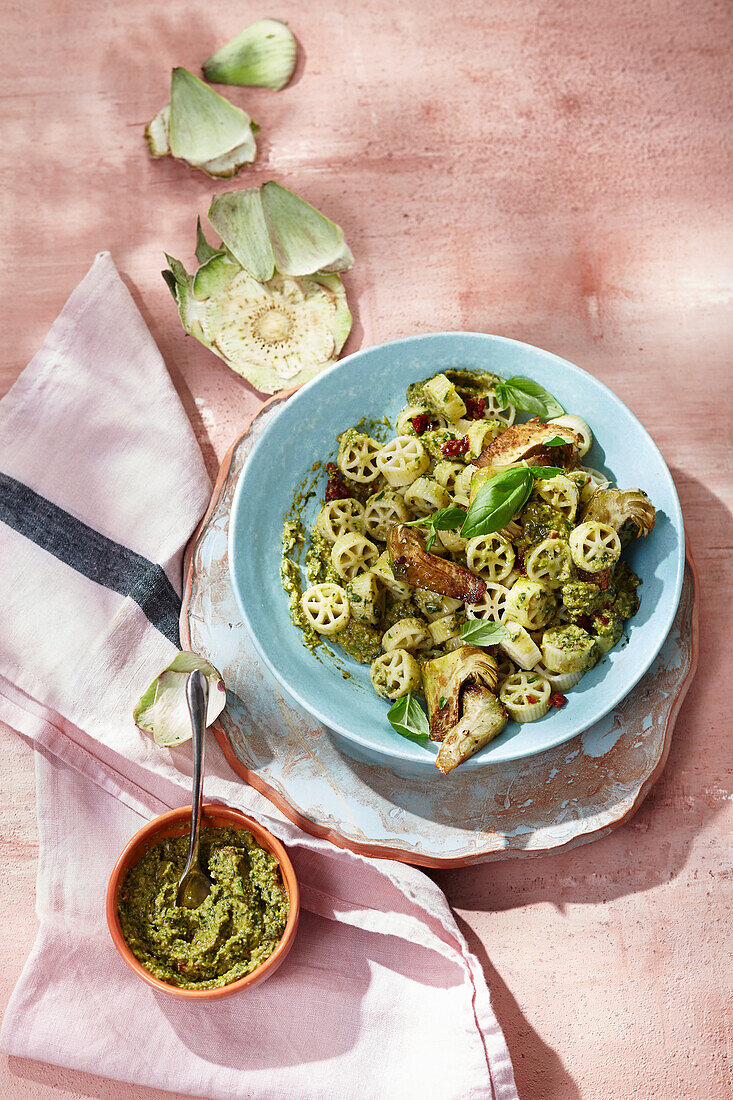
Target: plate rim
408,753
404,855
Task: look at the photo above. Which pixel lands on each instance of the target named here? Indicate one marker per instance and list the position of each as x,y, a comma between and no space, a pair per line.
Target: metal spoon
195,885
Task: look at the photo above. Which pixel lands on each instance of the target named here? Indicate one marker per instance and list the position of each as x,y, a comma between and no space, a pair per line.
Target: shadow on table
538,1070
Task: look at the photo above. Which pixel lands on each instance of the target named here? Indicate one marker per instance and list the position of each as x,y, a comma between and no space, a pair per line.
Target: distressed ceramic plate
561,798
372,383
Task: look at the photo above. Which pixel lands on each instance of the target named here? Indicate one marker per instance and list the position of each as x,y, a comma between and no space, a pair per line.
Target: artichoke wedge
163,710
263,54
463,711
202,129
277,334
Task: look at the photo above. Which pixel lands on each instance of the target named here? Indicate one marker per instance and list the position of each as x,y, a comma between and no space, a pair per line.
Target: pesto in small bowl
232,932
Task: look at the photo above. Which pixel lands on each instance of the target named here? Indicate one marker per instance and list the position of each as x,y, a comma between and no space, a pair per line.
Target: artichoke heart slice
276,334
163,710
463,711
202,128
264,54
483,719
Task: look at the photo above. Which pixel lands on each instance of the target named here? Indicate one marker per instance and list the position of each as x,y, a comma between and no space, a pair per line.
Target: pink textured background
559,172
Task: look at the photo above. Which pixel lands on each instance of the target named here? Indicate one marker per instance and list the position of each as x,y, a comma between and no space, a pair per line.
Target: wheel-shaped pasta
409,634
442,630
326,608
560,493
494,410
339,516
385,575
446,473
492,604
425,496
480,433
382,511
519,647
548,563
594,546
442,395
581,430
433,605
395,673
530,604
365,598
352,553
490,555
567,649
526,696
407,414
357,457
462,485
592,481
452,542
402,460
559,681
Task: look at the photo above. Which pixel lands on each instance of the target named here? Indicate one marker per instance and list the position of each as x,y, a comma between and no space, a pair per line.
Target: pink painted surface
556,172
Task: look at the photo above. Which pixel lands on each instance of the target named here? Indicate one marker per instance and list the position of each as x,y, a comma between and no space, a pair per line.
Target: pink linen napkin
101,485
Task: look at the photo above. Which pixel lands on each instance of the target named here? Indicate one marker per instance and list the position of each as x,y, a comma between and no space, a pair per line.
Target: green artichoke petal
238,218
204,125
263,54
303,240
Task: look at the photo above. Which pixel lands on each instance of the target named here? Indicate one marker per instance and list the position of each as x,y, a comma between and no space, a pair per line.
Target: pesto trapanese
465,516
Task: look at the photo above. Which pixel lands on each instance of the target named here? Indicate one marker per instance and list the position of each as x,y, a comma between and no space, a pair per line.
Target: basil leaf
497,501
531,397
479,632
542,473
445,519
556,441
409,719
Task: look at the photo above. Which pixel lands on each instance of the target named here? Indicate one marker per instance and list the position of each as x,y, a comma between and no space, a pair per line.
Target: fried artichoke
630,509
463,711
411,561
524,443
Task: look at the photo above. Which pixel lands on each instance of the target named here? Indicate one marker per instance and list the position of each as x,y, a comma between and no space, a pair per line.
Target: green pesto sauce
234,930
582,597
625,583
539,521
360,641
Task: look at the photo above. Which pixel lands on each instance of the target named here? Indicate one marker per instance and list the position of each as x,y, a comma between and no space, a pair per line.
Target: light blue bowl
373,383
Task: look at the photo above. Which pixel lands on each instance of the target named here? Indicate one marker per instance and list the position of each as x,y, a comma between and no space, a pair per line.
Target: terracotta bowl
176,823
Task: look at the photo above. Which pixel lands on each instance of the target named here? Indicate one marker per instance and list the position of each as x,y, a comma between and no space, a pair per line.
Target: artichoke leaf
163,709
157,133
303,240
204,250
202,128
238,217
264,54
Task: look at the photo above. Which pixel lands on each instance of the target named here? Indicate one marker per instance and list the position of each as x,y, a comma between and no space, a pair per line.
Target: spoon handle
197,692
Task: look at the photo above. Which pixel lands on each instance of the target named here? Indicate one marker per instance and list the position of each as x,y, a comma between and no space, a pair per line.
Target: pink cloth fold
380,995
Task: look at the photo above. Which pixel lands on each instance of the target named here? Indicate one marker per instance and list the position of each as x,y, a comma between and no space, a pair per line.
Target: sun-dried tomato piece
420,423
336,487
475,408
557,699
584,621
453,447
